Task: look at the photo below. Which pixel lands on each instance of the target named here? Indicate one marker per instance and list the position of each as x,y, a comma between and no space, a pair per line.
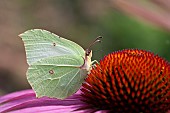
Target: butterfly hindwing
58,76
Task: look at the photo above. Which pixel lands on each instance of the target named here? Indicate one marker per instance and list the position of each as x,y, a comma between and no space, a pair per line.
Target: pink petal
25,100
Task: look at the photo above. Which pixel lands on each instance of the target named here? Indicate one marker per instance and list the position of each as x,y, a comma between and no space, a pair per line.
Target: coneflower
127,81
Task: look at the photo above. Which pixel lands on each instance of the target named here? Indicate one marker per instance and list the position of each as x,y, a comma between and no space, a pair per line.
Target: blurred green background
77,20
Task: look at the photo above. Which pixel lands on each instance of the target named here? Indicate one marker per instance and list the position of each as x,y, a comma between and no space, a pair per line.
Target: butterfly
57,66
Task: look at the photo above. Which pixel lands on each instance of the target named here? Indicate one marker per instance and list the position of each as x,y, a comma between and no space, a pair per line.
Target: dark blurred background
123,24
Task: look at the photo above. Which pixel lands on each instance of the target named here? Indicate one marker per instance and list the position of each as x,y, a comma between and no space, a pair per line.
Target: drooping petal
48,109
25,101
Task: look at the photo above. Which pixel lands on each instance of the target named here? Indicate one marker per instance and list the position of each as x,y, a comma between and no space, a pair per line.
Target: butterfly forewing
41,44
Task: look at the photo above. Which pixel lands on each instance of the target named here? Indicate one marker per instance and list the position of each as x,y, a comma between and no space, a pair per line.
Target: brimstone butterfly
57,66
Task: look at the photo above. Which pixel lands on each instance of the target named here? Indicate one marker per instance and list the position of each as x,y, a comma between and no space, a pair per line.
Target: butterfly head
88,52
88,55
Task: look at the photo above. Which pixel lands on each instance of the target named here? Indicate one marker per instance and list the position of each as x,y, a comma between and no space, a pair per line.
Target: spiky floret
129,81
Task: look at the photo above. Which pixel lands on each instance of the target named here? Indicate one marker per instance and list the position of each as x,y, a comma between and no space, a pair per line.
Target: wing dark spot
51,72
54,44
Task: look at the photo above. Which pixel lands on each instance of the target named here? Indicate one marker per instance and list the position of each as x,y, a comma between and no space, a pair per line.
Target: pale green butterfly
57,66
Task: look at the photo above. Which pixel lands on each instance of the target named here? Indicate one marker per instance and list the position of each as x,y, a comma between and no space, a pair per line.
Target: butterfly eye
88,52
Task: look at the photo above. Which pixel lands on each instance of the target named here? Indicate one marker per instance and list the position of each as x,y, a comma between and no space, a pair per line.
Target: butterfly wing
58,76
41,44
54,64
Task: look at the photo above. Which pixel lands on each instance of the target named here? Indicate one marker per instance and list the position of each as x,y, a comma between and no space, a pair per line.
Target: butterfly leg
94,62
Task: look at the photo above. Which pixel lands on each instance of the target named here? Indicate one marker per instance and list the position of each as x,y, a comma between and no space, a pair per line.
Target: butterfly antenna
95,41
88,51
